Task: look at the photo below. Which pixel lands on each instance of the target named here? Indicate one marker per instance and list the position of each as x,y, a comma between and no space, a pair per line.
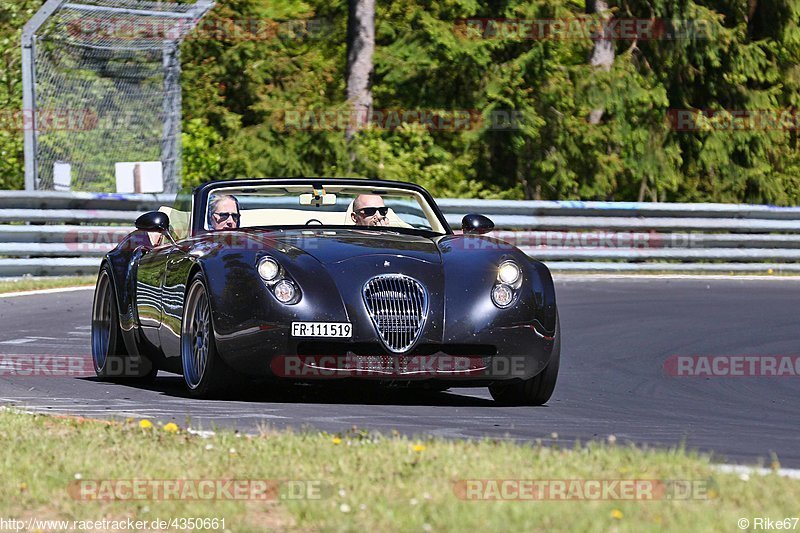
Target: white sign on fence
141,177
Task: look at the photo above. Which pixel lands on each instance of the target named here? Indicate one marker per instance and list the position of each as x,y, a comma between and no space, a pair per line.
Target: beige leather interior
298,217
287,217
178,224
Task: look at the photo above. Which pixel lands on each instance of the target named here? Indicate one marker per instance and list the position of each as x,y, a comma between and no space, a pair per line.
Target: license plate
322,329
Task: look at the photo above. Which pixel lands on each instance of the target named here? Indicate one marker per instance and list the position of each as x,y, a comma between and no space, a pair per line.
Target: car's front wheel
536,390
204,373
109,356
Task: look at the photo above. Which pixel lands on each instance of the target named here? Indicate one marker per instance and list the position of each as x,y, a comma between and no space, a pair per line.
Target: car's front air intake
398,307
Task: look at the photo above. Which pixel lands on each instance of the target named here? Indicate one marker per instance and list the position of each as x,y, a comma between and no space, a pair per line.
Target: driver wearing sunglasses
369,210
223,212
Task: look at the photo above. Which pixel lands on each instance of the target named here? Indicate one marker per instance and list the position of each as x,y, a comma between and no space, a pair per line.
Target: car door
149,290
178,267
173,288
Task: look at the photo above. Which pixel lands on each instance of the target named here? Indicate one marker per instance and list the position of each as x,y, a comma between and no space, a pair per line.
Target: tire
110,358
204,372
533,391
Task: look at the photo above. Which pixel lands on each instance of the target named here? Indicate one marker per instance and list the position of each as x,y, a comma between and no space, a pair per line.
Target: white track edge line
792,473
46,291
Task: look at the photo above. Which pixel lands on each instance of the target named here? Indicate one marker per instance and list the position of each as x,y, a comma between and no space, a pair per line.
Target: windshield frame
202,193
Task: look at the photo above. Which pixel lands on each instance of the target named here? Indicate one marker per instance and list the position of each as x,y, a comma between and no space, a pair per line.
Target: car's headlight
502,295
508,283
509,273
285,291
268,269
278,281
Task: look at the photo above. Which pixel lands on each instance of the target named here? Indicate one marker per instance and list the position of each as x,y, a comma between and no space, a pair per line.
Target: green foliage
13,16
241,90
201,158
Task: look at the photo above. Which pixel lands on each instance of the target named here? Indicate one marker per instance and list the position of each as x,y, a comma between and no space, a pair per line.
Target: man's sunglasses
367,212
224,216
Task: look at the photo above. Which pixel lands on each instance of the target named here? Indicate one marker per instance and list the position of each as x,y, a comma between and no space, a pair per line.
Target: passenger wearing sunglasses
223,212
369,210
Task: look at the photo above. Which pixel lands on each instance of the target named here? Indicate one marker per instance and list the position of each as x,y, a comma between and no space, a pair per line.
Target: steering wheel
314,220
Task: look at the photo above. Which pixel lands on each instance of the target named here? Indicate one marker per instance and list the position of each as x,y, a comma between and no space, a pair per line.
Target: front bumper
493,355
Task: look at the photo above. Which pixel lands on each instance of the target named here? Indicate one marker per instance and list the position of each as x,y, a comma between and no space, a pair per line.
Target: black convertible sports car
314,278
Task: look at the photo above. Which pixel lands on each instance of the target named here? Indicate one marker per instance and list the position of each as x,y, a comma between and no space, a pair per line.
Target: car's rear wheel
204,373
110,358
536,390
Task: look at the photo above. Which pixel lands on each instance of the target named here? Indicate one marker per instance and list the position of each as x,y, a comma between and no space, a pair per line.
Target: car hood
331,246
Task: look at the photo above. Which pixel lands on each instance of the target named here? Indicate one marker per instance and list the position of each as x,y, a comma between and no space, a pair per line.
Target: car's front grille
398,307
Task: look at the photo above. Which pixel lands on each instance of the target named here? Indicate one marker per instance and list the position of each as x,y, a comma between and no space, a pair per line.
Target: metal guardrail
624,209
46,233
521,222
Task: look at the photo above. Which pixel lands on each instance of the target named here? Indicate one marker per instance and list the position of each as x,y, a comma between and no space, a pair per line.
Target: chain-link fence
102,93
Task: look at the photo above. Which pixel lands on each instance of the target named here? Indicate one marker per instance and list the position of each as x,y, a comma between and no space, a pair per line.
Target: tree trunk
642,190
603,52
360,48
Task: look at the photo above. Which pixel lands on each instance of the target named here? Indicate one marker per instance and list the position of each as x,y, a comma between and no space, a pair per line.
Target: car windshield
330,205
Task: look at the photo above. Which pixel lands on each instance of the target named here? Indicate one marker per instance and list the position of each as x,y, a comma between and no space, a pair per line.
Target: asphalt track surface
617,335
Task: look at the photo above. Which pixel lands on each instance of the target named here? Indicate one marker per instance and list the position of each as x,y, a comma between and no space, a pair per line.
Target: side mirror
476,224
154,221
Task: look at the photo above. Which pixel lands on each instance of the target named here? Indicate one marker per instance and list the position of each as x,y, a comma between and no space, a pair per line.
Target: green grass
33,283
369,482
